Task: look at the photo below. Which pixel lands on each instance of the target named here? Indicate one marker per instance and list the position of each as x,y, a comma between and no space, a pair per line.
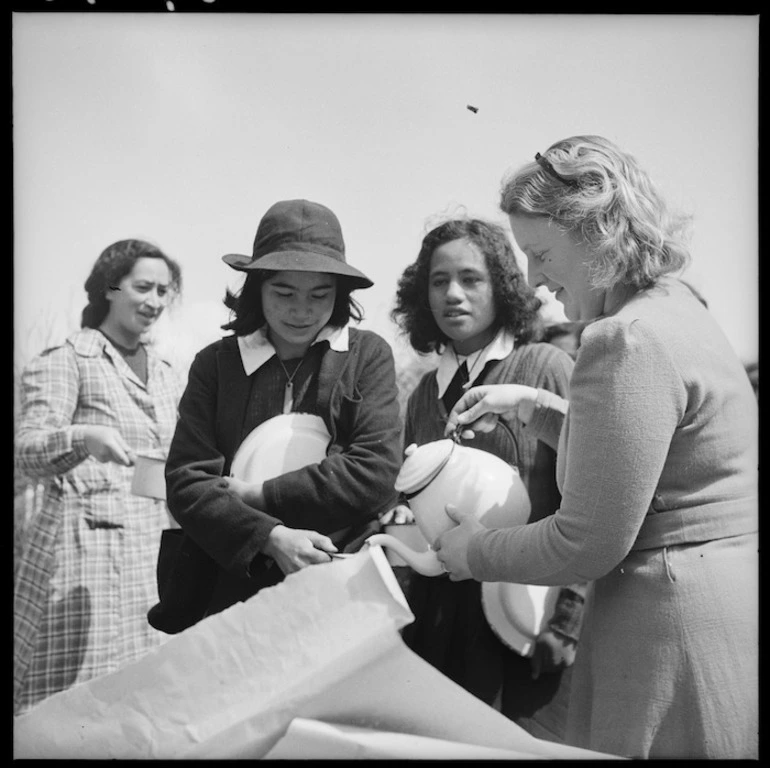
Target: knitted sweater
658,447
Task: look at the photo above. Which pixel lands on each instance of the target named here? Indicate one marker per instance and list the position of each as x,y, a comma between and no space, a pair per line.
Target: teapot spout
425,563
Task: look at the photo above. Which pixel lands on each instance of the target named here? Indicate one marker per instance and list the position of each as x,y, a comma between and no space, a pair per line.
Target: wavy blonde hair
603,197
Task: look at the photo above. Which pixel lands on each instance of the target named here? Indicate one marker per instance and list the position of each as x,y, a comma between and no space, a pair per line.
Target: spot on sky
472,109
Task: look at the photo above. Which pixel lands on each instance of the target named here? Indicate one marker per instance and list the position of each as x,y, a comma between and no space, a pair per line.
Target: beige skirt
667,665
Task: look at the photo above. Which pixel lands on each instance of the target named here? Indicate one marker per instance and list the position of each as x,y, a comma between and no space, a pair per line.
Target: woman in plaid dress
87,575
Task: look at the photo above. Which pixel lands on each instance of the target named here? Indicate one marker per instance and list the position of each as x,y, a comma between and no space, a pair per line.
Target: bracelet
570,594
562,634
567,614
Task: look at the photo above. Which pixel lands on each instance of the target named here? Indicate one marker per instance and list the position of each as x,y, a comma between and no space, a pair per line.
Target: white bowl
517,613
279,445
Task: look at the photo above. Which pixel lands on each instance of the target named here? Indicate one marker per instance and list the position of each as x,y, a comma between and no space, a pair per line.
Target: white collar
256,349
497,349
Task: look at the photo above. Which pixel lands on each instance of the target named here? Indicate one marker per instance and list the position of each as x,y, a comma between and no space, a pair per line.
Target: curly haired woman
465,298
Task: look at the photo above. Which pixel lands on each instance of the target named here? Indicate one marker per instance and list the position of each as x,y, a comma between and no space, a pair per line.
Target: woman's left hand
451,547
399,515
553,653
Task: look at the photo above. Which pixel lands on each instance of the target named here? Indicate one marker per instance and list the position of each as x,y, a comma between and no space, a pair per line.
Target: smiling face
139,302
297,305
460,295
558,262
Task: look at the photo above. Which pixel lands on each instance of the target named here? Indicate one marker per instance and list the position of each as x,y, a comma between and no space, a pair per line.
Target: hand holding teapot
478,409
451,547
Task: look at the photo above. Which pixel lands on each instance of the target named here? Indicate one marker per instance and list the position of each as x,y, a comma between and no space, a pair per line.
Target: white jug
443,472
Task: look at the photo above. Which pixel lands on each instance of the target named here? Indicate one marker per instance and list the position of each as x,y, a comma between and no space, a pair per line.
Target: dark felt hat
299,235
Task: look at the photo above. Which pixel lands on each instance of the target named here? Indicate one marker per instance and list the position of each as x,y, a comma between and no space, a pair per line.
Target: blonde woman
657,466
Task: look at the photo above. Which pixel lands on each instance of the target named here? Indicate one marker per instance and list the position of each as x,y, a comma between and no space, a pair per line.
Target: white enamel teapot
445,472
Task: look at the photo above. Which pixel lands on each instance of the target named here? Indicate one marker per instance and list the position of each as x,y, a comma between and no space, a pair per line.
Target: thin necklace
467,383
288,393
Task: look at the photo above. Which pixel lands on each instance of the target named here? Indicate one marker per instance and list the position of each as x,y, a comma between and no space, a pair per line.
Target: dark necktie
455,389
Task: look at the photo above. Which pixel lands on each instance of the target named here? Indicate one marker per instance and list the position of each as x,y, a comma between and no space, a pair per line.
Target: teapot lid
422,464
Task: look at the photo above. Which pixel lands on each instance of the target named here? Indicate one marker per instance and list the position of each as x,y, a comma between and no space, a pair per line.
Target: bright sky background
184,128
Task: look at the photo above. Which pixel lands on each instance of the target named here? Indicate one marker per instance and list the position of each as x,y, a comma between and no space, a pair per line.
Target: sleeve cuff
271,492
475,556
78,441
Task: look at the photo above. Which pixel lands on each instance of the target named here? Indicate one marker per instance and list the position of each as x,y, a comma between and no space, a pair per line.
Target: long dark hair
246,305
516,305
114,263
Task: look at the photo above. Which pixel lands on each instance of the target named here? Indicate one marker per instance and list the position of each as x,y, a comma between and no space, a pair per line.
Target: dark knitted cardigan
218,560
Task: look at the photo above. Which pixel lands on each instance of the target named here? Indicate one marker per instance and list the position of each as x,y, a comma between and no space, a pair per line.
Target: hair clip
548,168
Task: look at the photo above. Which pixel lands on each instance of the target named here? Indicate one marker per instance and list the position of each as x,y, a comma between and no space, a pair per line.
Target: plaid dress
87,574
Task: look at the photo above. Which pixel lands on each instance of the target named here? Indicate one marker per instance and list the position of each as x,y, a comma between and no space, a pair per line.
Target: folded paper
315,740
254,662
322,645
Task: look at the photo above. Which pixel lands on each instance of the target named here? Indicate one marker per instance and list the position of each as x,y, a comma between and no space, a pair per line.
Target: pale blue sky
184,128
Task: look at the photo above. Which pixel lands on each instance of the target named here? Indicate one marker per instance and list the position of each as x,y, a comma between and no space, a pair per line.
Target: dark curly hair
114,263
516,305
246,305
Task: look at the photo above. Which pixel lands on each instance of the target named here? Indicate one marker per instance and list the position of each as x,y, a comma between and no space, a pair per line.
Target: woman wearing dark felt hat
292,351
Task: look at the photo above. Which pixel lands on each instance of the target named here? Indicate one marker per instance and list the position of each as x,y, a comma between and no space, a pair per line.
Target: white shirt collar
256,349
497,349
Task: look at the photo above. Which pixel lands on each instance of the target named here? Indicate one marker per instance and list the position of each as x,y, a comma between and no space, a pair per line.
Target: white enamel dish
518,612
282,444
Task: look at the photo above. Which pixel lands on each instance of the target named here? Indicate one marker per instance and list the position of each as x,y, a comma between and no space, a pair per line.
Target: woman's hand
553,652
451,547
249,493
295,548
399,515
107,444
479,407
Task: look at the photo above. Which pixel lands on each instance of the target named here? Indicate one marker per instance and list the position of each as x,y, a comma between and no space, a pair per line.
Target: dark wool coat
218,561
